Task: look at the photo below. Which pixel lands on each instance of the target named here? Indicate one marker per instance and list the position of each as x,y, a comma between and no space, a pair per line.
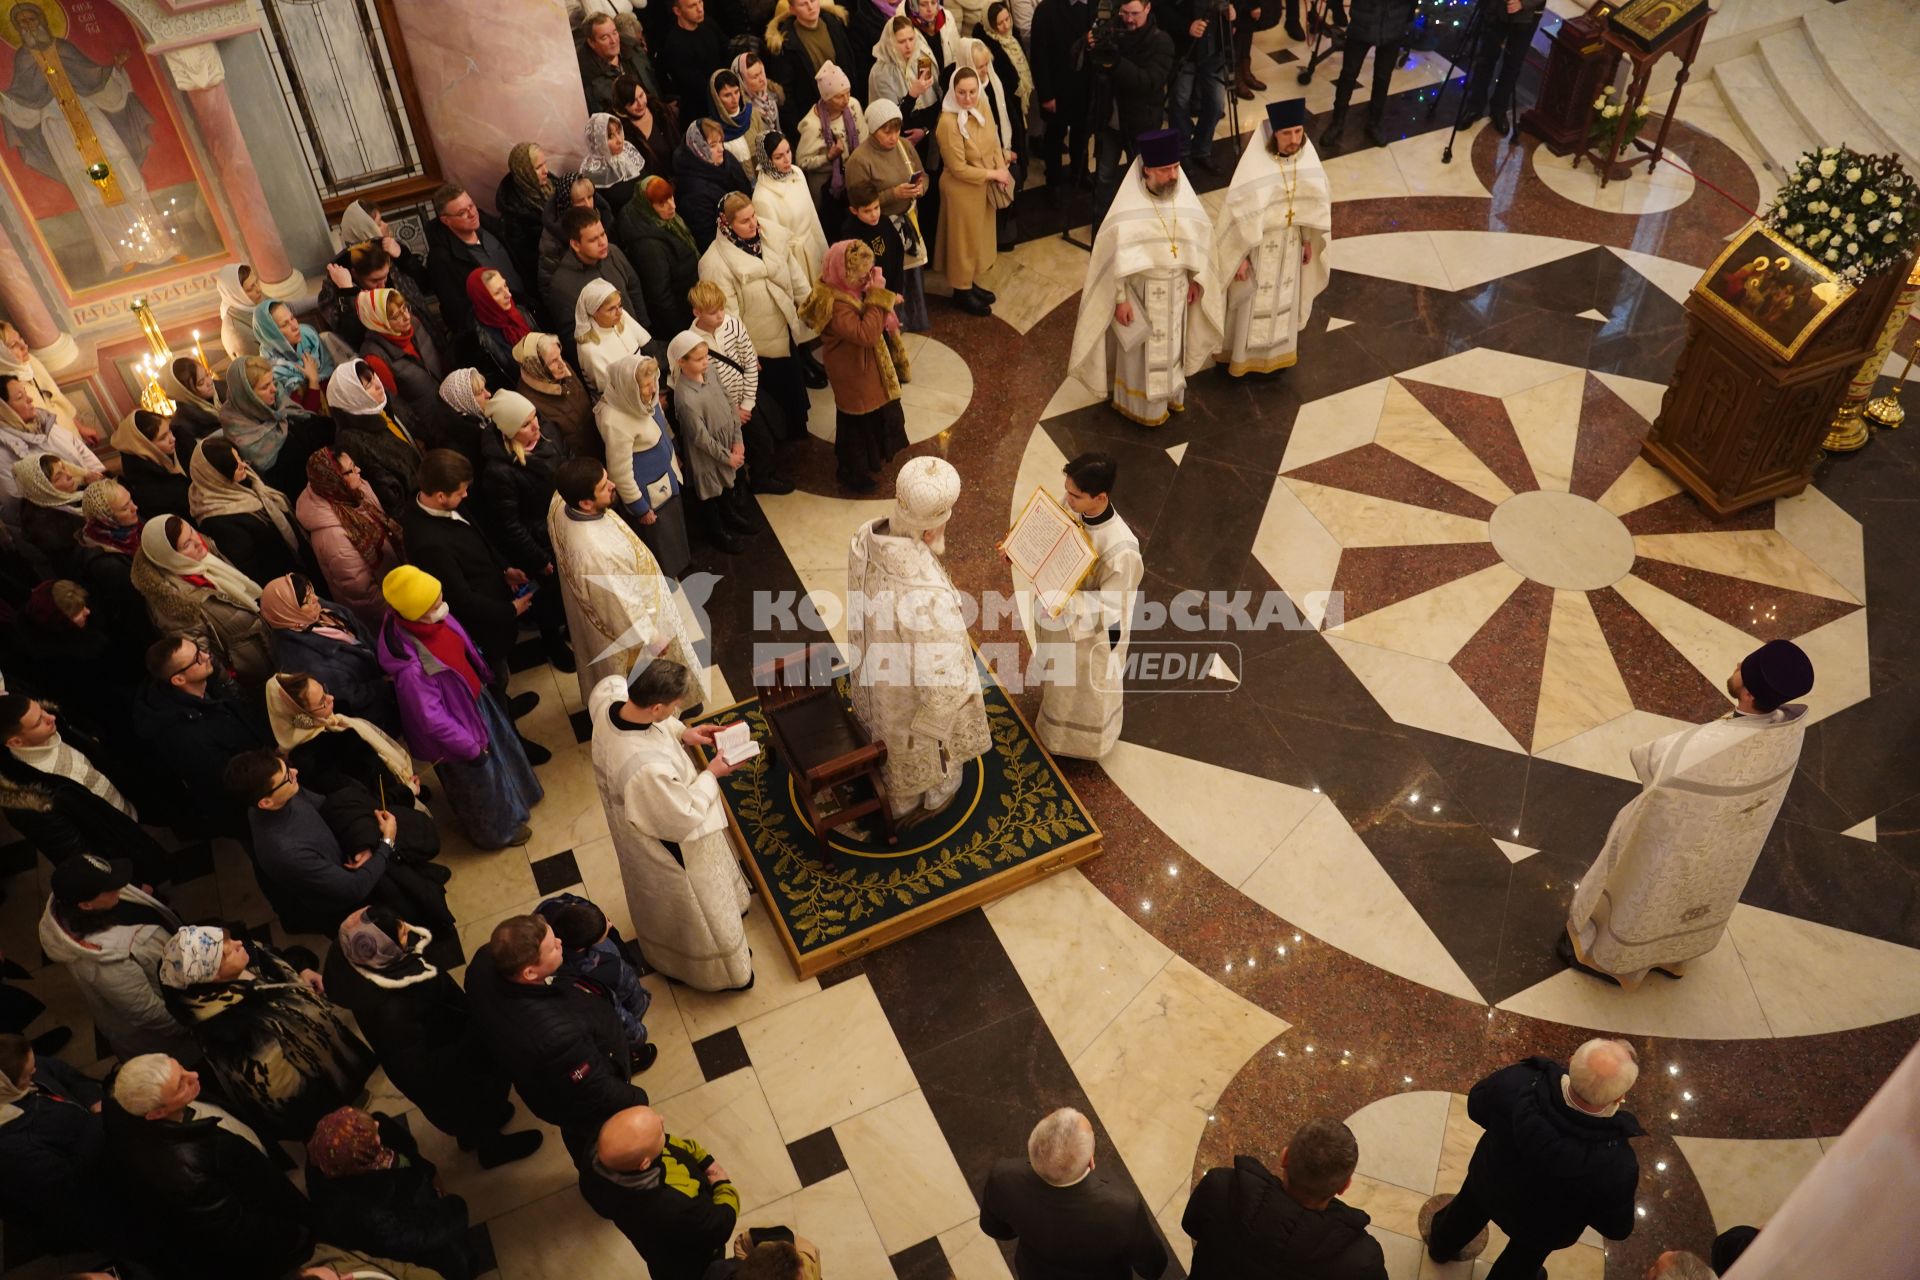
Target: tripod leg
1472,43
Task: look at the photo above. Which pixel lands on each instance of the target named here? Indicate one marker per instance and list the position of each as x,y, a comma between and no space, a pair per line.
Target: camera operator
1382,26
1132,67
1201,31
1062,83
1506,32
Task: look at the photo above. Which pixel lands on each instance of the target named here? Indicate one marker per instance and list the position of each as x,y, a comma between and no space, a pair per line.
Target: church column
28,311
202,77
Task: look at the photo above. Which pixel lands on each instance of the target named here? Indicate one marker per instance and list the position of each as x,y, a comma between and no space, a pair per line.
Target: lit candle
199,354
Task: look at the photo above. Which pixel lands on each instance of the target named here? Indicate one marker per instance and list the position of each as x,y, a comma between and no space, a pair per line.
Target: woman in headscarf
704,174
498,318
150,463
250,520
603,331
50,518
732,113
51,1145
514,487
196,396
828,134
406,347
27,427
18,361
79,662
1006,109
651,125
521,199
782,199
859,337
570,191
716,451
660,246
189,587
240,293
108,542
555,390
359,224
372,1190
641,463
966,244
262,427
376,432
374,264
612,166
278,1051
331,748
326,641
354,540
384,971
301,362
1010,63
940,30
887,163
460,419
765,98
453,720
751,263
906,72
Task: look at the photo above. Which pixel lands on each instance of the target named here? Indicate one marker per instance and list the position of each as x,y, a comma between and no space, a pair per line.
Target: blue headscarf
288,375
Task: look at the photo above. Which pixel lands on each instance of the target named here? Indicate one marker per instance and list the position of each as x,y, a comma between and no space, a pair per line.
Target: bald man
670,1199
1554,1159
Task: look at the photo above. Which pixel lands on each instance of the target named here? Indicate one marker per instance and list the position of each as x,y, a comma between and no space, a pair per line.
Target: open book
735,742
1048,545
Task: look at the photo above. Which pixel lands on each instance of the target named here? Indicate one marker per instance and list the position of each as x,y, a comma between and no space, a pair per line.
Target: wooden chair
821,742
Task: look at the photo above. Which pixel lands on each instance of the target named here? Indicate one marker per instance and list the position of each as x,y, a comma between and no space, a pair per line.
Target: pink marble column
22,301
220,131
487,83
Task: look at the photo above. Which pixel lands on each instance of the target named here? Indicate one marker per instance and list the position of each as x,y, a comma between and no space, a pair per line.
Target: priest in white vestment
1152,309
620,607
914,682
669,826
1678,856
1082,652
1274,230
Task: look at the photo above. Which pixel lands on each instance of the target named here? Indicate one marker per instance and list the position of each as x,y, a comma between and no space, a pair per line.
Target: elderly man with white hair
202,1195
915,685
1554,1160
1067,1220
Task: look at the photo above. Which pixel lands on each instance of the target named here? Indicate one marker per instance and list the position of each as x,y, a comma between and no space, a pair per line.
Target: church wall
268,127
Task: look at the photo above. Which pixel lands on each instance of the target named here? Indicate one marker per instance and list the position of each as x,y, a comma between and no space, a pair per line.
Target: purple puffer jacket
439,714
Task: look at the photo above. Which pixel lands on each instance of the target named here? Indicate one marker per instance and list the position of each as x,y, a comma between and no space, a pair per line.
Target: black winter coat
416,381
156,490
1092,1230
191,425
49,1155
562,1044
788,63
393,1213
251,544
520,232
337,308
62,819
193,738
1245,1226
450,260
472,576
513,500
1138,82
206,1201
699,187
351,672
667,265
1059,56
1379,21
1545,1171
386,461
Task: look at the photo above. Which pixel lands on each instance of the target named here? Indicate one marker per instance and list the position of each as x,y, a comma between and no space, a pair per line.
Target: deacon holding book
669,828
1083,650
1151,312
914,682
1274,231
1678,856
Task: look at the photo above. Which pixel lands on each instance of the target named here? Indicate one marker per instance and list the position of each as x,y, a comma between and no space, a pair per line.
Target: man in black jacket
1246,1222
797,32
459,240
476,582
606,55
558,1037
60,801
1554,1159
196,1181
192,725
1061,87
670,1198
1380,25
1130,81
590,255
1068,1221
1506,33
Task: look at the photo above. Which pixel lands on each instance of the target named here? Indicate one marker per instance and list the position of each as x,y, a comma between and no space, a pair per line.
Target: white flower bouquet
1850,211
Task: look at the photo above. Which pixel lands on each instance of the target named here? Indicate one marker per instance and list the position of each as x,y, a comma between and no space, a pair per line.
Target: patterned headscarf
367,526
30,477
456,392
96,504
520,165
602,164
735,125
697,141
347,1142
192,956
527,353
289,375
366,944
372,308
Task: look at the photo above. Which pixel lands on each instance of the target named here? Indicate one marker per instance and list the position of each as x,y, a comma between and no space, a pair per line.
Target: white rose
1611,112
1833,215
1833,255
1797,230
1642,109
1827,167
1873,228
1853,174
1829,151
1895,201
1853,246
1813,184
1868,197
1600,102
1896,218
1887,238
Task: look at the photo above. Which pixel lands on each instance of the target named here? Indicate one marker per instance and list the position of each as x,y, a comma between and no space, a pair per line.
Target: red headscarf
510,321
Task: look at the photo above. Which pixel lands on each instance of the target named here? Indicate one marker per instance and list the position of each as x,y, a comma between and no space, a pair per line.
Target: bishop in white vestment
1274,231
1678,856
915,686
669,828
1151,311
1083,651
620,607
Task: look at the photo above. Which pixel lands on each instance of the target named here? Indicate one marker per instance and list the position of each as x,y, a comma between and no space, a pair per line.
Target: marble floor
1338,852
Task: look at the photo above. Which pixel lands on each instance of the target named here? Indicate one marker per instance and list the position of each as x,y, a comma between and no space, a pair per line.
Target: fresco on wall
91,149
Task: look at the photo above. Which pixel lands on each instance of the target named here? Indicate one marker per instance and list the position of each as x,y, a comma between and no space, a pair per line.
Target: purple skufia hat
1158,148
1291,114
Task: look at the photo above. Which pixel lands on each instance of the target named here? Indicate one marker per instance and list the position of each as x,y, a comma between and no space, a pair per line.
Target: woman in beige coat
970,149
751,262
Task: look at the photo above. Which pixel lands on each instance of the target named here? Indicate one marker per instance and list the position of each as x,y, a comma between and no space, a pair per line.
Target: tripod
1317,19
1470,44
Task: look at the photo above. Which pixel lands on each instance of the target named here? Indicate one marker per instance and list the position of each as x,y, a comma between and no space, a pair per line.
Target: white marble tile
1179,1243
1403,1253
731,1119
973,1254
1838,652
1362,520
1640,485
912,1186
487,884
815,532
1710,645
1605,748
1715,1001
1828,536
1217,833
1324,880
1760,555
1746,1180
1400,1138
1580,684
1675,279
1299,551
489,1193
1867,830
826,1057
1546,418
1426,174
1423,692
570,814
1410,429
774,985
1436,622
1153,1074
1813,978
1336,324
832,1215
1336,423
1516,853
1642,396
1488,372
1475,257
1082,959
1407,256
1072,394
1368,174
1639,193
1178,452
560,1238
601,882
676,1070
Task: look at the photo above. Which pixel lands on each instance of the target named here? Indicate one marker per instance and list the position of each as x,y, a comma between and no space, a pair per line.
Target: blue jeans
1199,87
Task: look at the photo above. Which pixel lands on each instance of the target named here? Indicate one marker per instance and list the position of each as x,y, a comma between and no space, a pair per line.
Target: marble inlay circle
1561,540
937,392
1667,187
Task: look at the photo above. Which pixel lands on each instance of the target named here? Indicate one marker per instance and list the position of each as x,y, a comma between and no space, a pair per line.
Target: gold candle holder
1886,411
152,398
151,329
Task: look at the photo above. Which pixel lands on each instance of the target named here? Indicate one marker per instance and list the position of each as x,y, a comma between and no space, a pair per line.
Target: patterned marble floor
1337,858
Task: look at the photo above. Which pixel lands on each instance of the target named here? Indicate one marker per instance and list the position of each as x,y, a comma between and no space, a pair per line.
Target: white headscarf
678,349
38,488
348,394
211,494
884,52
629,336
623,394
1002,109
456,392
951,103
601,164
235,306
358,223
236,587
